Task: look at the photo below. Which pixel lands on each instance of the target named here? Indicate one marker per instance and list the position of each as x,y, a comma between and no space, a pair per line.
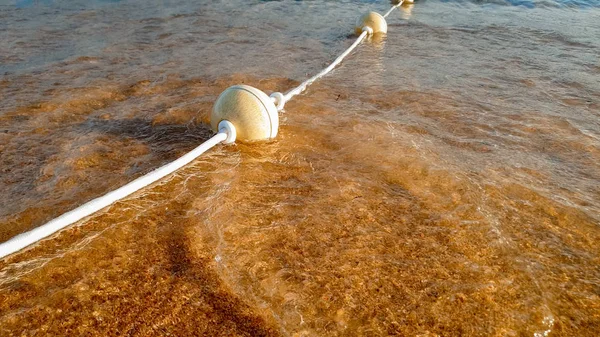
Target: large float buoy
251,111
375,21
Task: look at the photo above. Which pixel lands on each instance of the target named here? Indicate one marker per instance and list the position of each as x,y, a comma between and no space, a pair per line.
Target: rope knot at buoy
279,100
228,128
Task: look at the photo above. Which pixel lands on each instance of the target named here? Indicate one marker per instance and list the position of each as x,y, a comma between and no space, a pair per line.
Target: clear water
444,181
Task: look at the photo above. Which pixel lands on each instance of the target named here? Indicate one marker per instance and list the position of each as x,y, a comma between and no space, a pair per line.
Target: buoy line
298,90
369,24
393,7
240,113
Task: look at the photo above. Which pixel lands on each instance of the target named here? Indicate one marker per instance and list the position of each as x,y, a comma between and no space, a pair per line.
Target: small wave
536,3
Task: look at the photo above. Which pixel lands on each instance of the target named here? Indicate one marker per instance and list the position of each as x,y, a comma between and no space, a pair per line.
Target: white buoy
251,111
375,21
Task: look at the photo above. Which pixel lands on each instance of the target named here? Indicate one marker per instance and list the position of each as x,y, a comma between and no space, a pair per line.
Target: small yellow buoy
372,20
251,111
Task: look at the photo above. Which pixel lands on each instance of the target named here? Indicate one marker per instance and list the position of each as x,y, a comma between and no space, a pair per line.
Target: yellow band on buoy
250,110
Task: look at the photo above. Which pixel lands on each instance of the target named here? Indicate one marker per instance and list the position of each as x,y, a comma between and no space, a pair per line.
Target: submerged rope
280,99
299,89
25,239
392,9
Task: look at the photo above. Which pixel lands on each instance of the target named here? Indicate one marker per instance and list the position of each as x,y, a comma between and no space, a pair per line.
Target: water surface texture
444,181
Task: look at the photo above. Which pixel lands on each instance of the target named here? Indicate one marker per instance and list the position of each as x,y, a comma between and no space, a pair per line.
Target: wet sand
444,185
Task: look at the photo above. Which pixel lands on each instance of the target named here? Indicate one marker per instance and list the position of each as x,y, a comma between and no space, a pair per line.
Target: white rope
226,134
392,9
280,99
299,89
25,239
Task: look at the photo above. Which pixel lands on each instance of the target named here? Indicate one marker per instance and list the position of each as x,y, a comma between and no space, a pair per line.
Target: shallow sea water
443,181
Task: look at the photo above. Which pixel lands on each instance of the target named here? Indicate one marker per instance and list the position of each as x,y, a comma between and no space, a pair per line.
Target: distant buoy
372,20
251,111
